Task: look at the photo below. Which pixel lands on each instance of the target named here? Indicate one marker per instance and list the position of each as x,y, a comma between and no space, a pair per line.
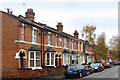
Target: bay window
74,59
66,59
50,59
34,59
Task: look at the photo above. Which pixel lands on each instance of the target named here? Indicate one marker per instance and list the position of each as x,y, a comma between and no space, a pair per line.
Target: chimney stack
60,27
8,11
76,34
30,14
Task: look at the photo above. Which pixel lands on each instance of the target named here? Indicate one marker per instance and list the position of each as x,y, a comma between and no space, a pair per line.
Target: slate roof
22,19
50,49
34,48
66,51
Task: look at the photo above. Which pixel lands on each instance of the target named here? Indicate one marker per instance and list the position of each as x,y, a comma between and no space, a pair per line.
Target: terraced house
28,46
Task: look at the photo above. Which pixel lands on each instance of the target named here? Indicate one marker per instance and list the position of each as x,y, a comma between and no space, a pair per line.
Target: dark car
107,65
97,67
76,70
89,69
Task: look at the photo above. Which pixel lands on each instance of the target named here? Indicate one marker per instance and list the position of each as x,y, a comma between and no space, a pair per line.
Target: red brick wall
9,47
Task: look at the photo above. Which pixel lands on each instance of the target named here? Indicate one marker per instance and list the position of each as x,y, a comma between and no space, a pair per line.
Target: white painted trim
35,43
22,41
49,32
17,54
49,45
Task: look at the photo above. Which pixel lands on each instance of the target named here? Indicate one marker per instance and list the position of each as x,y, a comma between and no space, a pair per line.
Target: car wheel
80,75
98,70
87,73
66,76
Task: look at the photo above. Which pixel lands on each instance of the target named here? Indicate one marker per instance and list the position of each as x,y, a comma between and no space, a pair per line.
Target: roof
50,49
38,25
34,48
66,51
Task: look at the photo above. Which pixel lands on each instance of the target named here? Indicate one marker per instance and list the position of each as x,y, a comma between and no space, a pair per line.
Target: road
107,73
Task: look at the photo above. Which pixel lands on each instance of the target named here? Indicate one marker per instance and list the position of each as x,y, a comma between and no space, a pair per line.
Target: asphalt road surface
110,73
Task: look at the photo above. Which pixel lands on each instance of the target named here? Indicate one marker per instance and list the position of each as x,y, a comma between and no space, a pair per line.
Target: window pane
48,62
52,55
52,58
52,61
47,55
37,55
48,58
31,63
37,63
34,39
34,32
31,55
64,58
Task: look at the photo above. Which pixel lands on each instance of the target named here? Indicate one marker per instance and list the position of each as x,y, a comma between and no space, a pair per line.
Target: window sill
50,65
35,43
56,46
33,68
21,41
60,47
49,45
65,48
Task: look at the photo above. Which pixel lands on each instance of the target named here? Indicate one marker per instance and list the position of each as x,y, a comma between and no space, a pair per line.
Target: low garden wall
29,73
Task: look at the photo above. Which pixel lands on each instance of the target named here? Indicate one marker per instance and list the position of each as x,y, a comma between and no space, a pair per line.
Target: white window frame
56,39
33,68
60,40
67,59
74,57
73,45
34,37
81,46
22,32
69,43
49,59
49,39
65,43
78,46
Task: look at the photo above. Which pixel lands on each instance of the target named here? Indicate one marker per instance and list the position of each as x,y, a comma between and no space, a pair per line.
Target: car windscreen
72,67
94,65
80,67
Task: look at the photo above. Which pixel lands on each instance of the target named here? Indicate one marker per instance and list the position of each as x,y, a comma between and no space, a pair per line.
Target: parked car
89,69
107,65
97,66
118,62
115,63
76,70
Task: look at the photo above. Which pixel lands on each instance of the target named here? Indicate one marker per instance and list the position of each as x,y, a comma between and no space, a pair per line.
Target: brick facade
13,46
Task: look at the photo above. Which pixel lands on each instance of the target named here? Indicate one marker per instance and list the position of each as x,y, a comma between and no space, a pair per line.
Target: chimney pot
8,10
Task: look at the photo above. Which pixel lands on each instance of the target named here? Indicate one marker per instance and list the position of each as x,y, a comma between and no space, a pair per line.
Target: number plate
69,71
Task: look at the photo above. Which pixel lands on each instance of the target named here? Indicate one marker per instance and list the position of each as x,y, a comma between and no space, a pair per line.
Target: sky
74,14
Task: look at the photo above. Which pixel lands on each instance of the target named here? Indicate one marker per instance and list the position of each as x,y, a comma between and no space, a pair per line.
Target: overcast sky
74,14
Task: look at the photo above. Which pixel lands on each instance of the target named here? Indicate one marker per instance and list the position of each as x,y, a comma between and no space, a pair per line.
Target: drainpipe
41,48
